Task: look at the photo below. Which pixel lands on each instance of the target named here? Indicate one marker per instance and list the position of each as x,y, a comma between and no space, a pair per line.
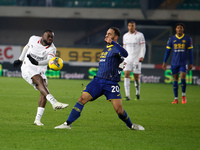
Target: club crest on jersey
183,41
174,41
103,54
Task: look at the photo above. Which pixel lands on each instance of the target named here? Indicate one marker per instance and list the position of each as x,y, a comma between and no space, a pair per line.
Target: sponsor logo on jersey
179,50
37,57
102,60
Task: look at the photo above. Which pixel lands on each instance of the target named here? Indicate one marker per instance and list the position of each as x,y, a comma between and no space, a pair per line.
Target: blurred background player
181,46
105,82
134,43
35,57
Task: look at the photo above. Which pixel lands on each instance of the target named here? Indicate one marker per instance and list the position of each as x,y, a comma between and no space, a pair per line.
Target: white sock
183,94
40,111
127,86
137,87
51,99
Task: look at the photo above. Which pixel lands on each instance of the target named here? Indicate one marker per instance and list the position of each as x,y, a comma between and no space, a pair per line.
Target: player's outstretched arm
19,61
46,61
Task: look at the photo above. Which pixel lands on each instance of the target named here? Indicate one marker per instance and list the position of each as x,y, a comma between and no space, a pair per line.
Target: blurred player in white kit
34,60
135,45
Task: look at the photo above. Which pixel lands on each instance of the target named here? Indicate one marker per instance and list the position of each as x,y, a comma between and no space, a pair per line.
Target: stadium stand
79,28
76,3
189,4
164,4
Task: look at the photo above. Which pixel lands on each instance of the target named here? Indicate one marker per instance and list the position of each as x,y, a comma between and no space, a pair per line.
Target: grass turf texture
168,126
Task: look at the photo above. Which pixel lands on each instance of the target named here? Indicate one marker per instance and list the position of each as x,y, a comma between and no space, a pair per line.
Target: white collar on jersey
134,32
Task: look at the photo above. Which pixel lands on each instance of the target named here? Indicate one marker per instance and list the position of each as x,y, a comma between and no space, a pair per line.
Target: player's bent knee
85,97
37,79
119,112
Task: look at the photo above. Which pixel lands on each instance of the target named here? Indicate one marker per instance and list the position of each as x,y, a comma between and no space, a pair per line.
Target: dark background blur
83,23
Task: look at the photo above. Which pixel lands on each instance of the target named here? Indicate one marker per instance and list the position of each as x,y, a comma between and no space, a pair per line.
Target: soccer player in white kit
134,43
34,59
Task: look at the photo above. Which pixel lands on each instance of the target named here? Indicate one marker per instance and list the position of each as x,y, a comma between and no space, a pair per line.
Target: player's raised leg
42,87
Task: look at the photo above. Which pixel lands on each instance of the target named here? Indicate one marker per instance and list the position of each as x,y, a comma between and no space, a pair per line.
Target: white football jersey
132,44
39,53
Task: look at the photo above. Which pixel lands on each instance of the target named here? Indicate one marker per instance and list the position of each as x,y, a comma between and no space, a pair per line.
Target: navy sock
183,85
126,119
175,88
75,113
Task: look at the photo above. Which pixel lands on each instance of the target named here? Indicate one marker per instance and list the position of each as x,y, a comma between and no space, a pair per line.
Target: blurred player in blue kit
105,82
181,46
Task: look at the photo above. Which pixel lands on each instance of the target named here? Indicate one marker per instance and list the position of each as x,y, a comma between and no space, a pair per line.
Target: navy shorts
179,68
99,86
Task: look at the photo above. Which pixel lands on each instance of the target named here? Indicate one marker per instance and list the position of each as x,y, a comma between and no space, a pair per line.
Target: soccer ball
56,63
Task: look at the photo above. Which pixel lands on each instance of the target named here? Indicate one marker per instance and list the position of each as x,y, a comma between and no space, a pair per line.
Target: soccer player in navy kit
105,82
181,46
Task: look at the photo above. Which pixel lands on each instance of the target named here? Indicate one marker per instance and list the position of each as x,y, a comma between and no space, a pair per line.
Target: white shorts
28,73
135,67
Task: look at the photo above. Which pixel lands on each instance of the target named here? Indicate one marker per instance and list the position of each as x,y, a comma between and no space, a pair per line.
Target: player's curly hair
117,31
180,24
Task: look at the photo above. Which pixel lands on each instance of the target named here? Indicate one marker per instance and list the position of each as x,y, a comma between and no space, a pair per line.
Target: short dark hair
133,22
180,24
48,30
117,31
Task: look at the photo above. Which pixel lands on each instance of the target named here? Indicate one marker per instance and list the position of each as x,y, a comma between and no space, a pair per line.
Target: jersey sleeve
53,52
190,44
25,49
31,39
142,46
190,50
168,50
120,49
124,42
169,44
142,39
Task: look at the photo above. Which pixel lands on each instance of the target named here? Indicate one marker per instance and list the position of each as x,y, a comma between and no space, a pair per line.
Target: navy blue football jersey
110,59
179,47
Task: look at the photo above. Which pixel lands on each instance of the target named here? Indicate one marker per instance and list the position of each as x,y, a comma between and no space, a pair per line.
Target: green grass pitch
168,126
